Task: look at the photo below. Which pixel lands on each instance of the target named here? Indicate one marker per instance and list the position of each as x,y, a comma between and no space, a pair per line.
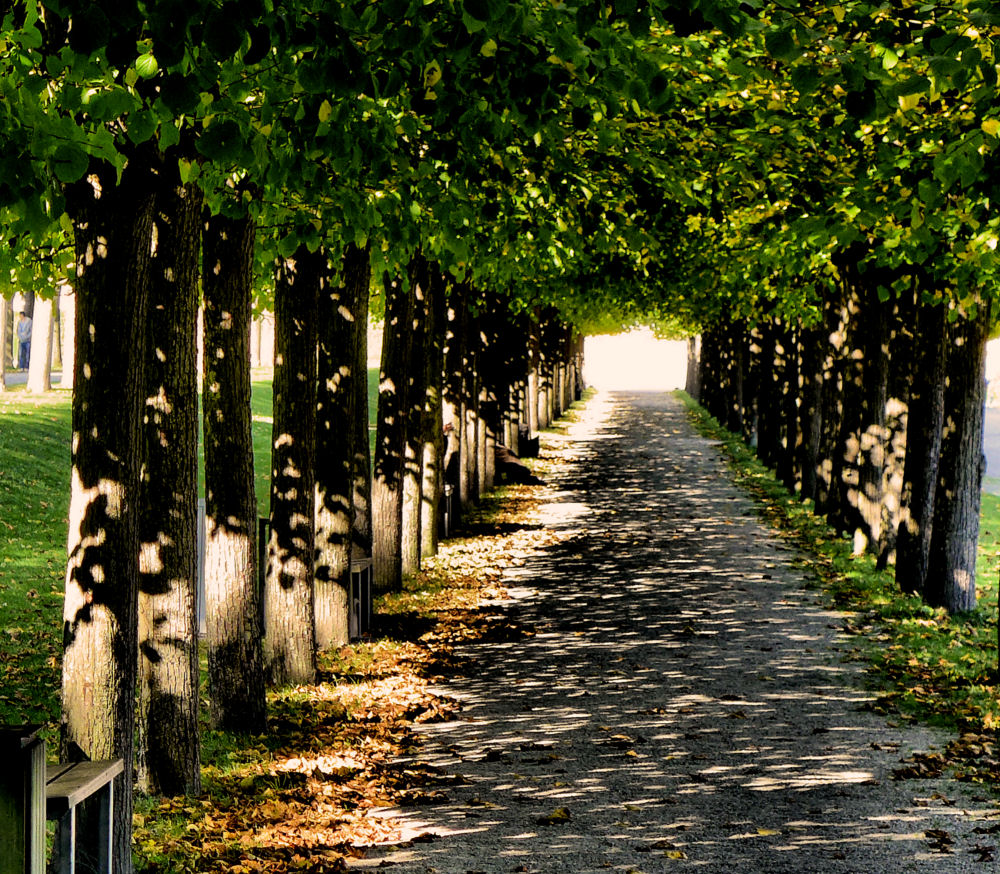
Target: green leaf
477,9
223,32
69,162
108,105
222,142
805,78
780,44
146,66
288,245
141,125
913,85
188,170
178,94
170,135
312,76
35,219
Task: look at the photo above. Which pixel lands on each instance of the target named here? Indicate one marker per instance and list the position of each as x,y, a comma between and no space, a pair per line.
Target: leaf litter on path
302,798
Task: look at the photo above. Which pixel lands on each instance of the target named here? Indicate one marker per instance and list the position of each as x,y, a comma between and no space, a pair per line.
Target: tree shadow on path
684,703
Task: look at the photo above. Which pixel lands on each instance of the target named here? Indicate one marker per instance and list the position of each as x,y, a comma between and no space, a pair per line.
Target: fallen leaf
559,815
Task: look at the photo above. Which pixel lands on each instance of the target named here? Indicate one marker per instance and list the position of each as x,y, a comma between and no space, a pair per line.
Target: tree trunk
339,370
390,439
255,337
432,429
787,467
289,637
68,321
769,410
40,367
469,482
232,597
873,437
4,340
811,410
454,371
168,757
951,578
924,427
844,513
359,272
483,439
829,455
112,227
418,347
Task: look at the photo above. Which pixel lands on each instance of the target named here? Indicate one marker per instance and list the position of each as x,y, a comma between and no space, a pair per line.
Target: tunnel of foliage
805,191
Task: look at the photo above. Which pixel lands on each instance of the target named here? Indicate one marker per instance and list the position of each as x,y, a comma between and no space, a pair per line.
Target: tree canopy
658,162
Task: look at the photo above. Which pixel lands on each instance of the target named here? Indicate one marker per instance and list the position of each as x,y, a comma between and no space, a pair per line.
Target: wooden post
22,800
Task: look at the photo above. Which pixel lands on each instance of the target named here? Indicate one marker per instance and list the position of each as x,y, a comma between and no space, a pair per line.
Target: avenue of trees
808,190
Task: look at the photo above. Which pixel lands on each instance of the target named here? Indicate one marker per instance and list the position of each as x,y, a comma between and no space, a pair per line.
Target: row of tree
875,415
843,240
745,170
136,526
216,152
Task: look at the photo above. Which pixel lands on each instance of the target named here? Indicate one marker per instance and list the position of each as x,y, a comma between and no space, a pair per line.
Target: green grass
34,500
924,664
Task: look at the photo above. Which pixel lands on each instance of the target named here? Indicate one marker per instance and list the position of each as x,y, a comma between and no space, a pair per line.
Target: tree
342,466
290,636
168,737
112,220
390,439
232,599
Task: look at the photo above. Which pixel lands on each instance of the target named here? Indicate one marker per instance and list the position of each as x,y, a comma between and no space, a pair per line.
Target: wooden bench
31,792
22,800
67,786
359,607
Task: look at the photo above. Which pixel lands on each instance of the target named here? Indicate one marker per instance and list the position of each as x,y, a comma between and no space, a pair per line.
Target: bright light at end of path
636,361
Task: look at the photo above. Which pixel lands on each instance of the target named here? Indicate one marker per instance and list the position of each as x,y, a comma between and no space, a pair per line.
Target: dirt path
683,704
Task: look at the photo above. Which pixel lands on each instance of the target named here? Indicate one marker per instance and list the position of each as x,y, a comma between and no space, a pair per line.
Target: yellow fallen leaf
768,831
560,814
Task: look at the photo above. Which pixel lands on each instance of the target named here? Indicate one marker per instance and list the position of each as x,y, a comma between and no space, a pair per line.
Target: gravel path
684,703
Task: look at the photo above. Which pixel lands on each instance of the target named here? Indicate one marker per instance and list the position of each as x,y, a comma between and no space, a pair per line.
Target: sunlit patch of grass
573,413
34,496
925,664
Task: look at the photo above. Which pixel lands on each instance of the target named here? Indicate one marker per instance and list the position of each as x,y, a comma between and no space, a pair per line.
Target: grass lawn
34,497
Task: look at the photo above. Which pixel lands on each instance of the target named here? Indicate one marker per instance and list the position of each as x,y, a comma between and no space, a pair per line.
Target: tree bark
432,430
951,577
68,321
828,464
232,597
168,757
390,439
454,370
5,339
339,370
811,410
289,636
872,345
40,365
418,343
359,271
112,228
469,480
924,427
